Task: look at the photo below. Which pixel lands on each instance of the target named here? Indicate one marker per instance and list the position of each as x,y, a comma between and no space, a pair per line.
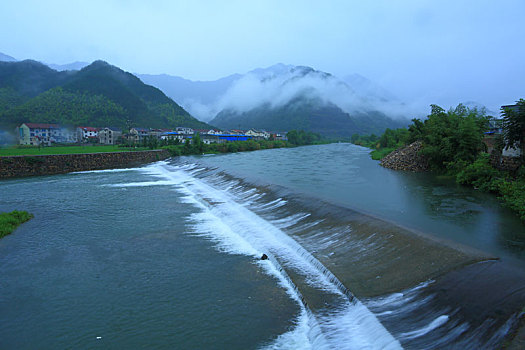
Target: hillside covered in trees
98,95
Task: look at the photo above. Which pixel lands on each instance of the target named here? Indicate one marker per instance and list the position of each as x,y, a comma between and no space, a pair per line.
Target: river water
168,256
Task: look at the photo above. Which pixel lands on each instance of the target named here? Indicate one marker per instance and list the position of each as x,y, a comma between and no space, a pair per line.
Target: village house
279,136
184,131
109,135
171,135
235,132
258,134
87,134
136,135
36,134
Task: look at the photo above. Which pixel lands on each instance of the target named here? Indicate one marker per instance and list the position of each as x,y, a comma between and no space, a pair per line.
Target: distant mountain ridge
6,58
99,95
284,97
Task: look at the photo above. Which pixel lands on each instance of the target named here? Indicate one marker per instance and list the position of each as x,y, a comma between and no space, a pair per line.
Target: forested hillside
98,95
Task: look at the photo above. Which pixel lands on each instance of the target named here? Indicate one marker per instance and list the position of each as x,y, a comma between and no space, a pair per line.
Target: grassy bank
10,221
35,151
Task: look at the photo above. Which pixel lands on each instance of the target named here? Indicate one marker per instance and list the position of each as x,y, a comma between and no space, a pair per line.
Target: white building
87,133
183,130
36,134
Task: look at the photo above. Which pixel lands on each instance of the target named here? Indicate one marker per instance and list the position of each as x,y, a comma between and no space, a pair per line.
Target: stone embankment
20,166
406,158
501,162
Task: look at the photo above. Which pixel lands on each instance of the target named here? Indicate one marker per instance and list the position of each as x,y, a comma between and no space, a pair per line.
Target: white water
237,230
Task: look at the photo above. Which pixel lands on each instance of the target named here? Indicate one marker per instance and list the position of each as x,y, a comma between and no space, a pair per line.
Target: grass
381,153
10,221
34,151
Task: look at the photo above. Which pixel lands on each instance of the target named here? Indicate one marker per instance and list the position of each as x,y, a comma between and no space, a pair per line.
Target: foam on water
235,229
141,184
438,322
105,171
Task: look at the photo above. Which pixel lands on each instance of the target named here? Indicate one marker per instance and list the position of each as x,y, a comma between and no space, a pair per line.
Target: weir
323,297
340,266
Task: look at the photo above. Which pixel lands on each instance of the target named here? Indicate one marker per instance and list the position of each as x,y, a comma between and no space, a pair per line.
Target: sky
424,52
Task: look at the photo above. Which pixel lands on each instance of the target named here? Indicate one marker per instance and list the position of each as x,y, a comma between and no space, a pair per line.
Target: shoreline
23,166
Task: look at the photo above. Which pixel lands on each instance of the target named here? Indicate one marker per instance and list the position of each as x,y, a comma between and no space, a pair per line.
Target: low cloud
7,138
278,85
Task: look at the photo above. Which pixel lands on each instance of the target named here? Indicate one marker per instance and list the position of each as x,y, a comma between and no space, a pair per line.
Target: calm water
167,256
345,175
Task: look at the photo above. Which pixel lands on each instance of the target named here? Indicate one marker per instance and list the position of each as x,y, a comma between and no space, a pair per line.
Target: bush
479,174
10,221
513,194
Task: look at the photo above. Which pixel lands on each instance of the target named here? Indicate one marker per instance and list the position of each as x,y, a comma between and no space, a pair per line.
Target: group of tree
301,137
452,141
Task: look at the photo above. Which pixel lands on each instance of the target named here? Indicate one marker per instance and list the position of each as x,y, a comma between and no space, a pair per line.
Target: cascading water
236,229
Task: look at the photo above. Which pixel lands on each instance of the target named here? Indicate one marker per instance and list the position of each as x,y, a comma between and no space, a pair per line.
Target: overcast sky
442,52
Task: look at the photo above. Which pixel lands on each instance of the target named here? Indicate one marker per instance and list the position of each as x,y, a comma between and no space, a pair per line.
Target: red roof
42,126
88,128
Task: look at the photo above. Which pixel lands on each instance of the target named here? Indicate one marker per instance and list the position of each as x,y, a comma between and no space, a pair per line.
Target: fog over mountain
68,66
275,87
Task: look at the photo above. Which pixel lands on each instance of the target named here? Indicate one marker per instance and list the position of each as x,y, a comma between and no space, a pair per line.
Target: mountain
6,58
30,78
307,114
99,95
283,97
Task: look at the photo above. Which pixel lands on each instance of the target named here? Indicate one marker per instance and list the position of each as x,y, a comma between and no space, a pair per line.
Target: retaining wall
20,166
504,162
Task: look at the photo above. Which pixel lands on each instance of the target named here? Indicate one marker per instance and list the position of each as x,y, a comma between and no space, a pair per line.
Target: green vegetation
302,137
10,221
199,147
98,95
453,144
33,150
383,145
514,126
451,140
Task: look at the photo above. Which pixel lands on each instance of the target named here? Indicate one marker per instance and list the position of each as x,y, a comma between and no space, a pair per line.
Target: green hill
98,95
309,115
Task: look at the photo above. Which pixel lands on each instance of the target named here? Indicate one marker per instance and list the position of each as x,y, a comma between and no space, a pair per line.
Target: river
168,256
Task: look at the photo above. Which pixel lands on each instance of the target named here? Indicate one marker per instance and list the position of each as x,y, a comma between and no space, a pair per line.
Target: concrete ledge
21,166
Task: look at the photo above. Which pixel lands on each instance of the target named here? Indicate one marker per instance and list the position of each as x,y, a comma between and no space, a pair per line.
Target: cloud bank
278,85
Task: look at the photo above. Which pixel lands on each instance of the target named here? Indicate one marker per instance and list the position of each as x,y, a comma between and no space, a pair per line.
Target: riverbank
22,166
44,151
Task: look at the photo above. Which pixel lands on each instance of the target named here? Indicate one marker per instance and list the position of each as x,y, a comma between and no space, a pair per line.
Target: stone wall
406,158
504,162
19,166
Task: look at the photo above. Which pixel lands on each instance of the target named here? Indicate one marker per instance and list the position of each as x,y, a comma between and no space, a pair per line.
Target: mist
280,84
7,138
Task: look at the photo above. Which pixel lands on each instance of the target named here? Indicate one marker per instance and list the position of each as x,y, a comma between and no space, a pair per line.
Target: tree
450,137
514,125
